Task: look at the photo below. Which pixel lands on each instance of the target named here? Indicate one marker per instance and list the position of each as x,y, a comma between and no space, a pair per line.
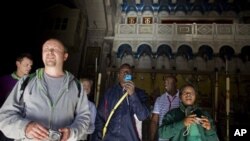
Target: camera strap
111,114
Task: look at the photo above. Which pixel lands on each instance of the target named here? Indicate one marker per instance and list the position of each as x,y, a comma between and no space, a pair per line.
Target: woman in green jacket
188,122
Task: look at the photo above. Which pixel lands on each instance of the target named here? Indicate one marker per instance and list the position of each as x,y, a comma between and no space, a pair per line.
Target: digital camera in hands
198,113
198,119
127,77
54,135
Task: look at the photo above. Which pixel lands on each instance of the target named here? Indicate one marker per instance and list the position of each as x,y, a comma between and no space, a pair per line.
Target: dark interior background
18,29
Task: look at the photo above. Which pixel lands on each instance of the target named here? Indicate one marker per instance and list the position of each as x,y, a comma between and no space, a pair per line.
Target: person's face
53,53
170,84
123,71
188,96
24,66
86,86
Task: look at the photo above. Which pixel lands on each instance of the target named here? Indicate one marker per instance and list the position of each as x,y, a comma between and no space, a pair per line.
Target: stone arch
164,9
206,52
226,52
131,8
147,10
186,51
143,48
144,55
116,47
214,9
180,8
245,53
197,10
164,50
124,49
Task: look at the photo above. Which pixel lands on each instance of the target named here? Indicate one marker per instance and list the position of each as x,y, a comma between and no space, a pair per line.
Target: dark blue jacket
122,124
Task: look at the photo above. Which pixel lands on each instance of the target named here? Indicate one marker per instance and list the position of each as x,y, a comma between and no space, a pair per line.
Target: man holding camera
50,106
121,125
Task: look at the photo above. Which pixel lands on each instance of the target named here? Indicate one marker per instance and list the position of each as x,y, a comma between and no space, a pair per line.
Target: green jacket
173,127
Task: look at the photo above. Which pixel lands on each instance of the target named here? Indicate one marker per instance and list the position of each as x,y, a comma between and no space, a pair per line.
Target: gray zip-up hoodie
69,110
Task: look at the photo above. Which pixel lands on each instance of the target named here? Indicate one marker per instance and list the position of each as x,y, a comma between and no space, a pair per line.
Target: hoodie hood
69,77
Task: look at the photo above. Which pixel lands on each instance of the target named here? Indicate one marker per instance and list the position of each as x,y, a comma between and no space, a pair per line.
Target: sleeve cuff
72,136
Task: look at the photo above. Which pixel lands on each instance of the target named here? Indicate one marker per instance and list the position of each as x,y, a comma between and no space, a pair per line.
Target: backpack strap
24,84
29,77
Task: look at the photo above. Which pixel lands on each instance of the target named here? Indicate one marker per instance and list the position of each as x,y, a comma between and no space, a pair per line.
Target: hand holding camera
198,120
36,131
62,135
127,77
54,135
205,123
129,84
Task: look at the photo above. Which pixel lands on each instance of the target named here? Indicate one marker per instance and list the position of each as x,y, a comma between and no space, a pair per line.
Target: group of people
51,104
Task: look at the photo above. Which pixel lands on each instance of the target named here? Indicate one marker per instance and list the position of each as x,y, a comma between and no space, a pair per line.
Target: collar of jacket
184,107
40,72
69,76
14,76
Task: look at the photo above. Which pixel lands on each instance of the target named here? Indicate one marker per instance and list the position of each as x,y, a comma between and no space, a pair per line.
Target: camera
127,77
54,135
198,120
198,113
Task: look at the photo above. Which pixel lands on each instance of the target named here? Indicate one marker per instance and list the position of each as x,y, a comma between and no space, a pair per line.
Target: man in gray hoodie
52,105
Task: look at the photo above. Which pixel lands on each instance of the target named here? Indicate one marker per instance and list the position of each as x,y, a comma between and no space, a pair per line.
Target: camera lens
54,136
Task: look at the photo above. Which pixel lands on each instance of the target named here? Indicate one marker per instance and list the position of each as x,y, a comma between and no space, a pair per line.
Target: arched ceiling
102,14
186,5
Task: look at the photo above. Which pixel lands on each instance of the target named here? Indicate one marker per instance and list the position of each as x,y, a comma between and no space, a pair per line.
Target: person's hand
36,131
205,123
189,120
129,86
65,133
